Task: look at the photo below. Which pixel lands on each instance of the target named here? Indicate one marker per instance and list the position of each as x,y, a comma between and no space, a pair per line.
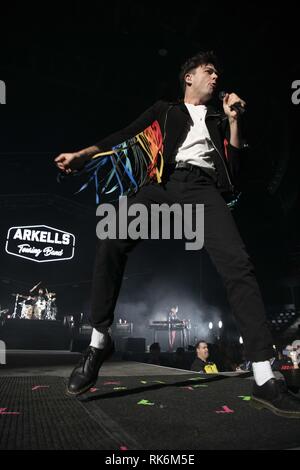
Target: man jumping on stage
202,151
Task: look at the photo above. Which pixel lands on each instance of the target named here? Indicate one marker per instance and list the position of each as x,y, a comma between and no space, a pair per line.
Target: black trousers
223,244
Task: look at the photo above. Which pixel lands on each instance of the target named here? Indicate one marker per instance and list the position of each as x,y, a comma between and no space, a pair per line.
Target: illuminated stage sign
40,243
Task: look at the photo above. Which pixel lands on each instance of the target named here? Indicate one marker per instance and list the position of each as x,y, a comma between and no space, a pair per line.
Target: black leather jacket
175,121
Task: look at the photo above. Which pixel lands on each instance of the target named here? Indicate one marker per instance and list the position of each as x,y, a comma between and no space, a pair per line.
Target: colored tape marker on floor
145,402
4,412
225,409
245,398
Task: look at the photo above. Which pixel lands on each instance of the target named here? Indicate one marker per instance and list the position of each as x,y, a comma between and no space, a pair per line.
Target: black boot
275,396
85,374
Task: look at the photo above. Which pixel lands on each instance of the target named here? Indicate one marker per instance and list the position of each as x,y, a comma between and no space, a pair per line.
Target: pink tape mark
187,388
37,387
93,389
225,409
123,448
3,412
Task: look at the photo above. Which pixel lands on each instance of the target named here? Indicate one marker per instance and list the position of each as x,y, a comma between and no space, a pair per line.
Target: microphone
235,106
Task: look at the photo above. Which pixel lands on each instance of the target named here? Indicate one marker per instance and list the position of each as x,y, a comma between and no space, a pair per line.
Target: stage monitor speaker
136,345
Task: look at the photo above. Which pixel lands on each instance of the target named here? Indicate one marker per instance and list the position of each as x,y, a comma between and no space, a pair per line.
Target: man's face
202,81
202,351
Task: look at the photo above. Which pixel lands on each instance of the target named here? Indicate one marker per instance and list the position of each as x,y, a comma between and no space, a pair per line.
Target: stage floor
60,363
134,406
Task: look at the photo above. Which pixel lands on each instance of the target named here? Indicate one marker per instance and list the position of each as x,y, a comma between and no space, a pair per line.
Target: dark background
78,71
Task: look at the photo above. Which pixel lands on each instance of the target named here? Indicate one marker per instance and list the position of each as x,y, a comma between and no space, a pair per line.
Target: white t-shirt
197,147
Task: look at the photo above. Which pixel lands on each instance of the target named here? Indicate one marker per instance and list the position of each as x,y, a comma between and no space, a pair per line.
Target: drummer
42,294
40,304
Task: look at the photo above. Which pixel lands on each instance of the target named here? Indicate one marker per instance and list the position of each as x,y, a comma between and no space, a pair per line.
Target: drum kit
38,307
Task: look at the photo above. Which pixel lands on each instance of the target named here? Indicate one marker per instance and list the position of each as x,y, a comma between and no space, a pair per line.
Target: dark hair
201,58
198,343
154,347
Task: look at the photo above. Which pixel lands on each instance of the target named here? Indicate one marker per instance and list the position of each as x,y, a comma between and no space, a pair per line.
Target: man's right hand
69,162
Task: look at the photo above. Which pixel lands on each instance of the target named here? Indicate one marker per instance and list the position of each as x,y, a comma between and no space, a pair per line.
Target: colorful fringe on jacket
128,166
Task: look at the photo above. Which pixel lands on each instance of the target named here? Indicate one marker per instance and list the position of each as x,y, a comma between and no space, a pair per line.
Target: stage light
241,340
220,324
210,325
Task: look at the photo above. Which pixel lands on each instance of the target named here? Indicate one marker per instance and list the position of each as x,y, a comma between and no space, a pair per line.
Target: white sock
262,372
97,339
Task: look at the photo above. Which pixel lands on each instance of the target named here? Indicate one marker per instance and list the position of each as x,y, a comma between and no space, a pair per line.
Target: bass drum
39,309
